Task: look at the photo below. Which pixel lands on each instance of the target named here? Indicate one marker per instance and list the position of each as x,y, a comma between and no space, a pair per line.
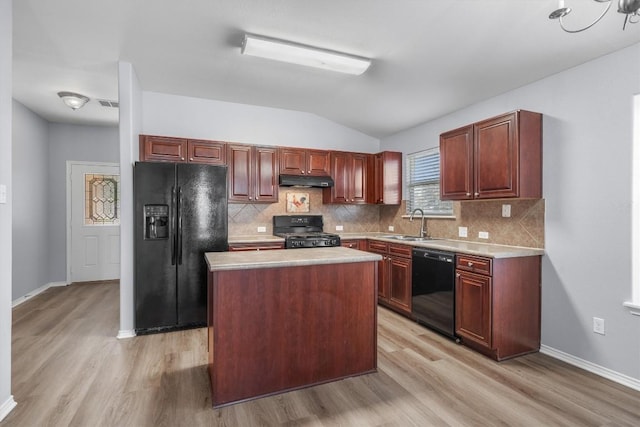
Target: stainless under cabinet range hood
305,181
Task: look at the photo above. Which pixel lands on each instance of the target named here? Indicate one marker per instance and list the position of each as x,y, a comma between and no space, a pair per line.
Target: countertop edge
220,261
489,250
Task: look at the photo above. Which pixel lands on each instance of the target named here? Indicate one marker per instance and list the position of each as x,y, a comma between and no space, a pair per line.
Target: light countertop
458,246
217,261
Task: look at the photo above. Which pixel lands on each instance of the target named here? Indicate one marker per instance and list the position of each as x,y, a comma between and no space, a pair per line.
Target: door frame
70,164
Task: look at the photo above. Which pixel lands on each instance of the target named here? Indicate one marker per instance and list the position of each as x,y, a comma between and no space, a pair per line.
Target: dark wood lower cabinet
278,329
359,244
498,305
394,275
473,305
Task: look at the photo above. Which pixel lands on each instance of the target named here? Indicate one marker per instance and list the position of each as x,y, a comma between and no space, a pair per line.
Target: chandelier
629,7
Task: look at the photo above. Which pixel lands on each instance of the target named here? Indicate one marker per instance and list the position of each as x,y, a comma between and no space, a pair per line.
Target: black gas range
303,231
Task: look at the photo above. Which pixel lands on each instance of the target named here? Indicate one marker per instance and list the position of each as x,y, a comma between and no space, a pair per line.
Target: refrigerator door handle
179,245
173,226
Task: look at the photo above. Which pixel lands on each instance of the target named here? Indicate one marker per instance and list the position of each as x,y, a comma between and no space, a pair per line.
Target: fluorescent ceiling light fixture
294,53
73,100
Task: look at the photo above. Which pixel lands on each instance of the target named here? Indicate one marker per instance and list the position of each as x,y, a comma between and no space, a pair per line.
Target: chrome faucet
423,232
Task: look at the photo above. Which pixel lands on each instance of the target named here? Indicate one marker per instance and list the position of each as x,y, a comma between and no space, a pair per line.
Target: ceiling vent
108,104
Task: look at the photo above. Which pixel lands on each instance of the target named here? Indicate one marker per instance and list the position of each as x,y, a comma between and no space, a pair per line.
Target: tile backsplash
525,227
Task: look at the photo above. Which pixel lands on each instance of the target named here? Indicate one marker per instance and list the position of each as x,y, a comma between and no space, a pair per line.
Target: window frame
440,209
634,304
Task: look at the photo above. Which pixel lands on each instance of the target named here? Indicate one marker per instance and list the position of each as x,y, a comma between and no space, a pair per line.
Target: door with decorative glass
94,222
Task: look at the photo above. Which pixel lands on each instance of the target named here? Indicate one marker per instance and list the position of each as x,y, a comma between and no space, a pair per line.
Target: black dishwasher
432,289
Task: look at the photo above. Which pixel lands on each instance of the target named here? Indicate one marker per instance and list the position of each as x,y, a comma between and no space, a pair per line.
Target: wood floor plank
68,369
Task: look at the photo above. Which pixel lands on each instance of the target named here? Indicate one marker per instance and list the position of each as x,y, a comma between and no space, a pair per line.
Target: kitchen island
285,319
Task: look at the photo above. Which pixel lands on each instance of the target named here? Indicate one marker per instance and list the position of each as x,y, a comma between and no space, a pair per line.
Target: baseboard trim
35,292
124,334
592,367
7,407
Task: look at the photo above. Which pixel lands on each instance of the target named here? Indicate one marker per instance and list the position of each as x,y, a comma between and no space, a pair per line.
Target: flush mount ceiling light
628,7
73,100
294,53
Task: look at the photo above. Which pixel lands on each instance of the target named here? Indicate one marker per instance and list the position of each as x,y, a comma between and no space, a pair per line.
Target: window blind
423,180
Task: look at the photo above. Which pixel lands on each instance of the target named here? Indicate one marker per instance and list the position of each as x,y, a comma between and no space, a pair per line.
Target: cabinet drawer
400,250
474,264
353,244
376,246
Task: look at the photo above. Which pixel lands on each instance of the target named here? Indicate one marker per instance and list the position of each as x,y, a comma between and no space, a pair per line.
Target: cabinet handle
468,194
470,264
302,172
191,159
182,158
257,197
476,194
250,198
457,274
308,171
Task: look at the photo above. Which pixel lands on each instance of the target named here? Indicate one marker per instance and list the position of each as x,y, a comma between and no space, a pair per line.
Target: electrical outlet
598,325
506,211
483,235
262,229
339,228
462,231
391,228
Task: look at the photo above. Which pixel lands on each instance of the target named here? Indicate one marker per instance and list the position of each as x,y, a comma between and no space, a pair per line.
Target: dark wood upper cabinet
167,149
253,173
456,164
209,152
253,170
163,149
385,174
496,158
349,172
299,161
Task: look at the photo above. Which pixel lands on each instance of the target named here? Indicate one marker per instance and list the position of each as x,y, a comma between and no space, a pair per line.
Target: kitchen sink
408,238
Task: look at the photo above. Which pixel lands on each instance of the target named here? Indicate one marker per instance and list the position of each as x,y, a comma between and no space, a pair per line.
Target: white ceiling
430,57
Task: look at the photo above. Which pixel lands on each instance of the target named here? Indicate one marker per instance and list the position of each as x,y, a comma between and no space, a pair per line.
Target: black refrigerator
180,213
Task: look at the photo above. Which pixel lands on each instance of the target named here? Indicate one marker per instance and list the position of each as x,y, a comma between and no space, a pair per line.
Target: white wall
71,142
6,400
181,116
588,123
130,98
31,208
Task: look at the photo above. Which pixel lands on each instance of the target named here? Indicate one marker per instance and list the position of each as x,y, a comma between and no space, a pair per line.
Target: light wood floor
69,369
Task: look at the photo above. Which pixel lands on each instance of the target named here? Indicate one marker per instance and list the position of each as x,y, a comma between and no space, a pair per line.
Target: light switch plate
339,228
262,229
506,211
391,228
462,231
598,325
483,235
